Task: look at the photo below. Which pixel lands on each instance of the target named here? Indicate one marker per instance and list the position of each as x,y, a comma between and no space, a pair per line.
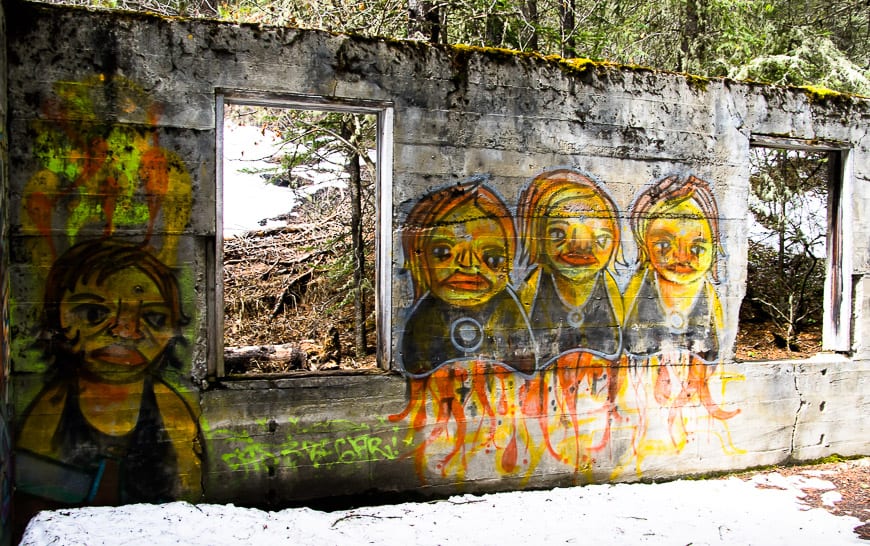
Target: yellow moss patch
697,82
496,51
576,66
817,93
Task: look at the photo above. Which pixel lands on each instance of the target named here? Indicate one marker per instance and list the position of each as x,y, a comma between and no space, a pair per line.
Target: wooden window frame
384,112
837,318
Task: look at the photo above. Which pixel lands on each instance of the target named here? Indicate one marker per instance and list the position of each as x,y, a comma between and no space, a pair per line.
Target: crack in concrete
798,412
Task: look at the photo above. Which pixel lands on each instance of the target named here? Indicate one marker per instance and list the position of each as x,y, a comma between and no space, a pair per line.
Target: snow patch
682,512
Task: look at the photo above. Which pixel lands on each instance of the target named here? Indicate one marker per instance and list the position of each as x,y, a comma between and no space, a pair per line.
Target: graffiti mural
674,322
571,234
459,245
571,238
106,428
321,445
617,374
110,424
99,178
529,342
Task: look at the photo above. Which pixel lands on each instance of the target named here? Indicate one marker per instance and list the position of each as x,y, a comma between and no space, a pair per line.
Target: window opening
792,273
298,223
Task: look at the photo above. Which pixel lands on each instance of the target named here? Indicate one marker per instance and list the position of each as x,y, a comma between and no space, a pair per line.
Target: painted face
466,258
680,244
580,235
120,326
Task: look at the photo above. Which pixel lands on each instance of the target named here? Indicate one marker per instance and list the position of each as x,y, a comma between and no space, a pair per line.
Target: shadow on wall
561,367
6,483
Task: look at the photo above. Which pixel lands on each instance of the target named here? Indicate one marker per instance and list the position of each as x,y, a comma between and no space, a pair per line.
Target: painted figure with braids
459,246
570,238
467,333
570,233
674,319
107,428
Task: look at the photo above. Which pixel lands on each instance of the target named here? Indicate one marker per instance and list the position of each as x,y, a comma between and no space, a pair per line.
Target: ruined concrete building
561,259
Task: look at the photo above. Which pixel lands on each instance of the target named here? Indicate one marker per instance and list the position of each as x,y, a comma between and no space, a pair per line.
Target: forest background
791,42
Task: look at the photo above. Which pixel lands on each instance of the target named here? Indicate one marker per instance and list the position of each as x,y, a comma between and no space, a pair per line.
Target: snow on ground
249,152
729,511
247,197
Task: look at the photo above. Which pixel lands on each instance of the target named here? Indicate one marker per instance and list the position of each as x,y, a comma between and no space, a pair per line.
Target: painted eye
557,234
494,259
155,319
698,250
662,246
603,241
441,252
91,313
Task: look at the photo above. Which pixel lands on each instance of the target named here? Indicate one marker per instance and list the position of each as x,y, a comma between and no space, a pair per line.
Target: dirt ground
851,479
756,341
291,286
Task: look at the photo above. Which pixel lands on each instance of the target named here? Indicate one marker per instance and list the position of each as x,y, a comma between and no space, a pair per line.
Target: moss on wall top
573,67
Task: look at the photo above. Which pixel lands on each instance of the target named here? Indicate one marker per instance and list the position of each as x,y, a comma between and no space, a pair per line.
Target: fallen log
285,356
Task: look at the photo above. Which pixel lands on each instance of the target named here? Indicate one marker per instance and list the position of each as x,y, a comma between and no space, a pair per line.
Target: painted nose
580,239
683,252
465,256
126,323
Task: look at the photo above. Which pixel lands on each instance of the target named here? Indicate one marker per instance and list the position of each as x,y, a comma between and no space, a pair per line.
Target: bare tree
786,256
352,132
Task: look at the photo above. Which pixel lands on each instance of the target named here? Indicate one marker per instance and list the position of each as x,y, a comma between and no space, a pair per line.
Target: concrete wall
6,479
529,371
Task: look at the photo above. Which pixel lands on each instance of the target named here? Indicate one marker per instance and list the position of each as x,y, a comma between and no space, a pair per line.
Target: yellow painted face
580,235
466,258
120,326
680,243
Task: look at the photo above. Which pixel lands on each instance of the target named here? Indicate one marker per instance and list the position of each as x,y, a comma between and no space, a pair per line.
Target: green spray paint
348,443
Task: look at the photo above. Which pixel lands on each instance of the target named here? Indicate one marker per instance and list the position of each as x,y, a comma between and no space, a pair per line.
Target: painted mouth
576,259
466,282
119,354
681,269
